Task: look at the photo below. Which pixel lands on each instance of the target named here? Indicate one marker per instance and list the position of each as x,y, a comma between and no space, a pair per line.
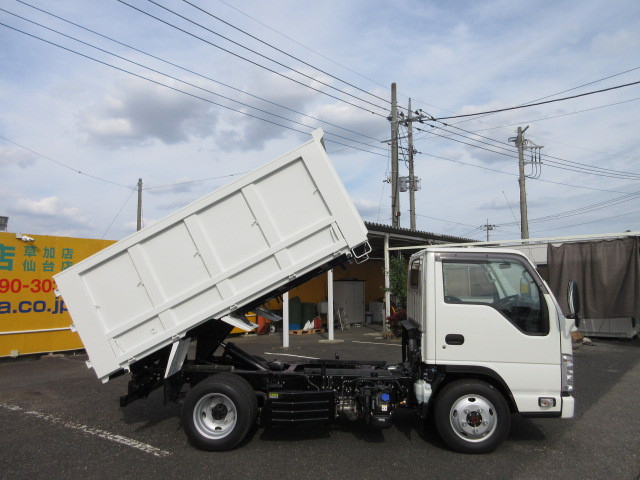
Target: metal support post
285,320
387,285
330,303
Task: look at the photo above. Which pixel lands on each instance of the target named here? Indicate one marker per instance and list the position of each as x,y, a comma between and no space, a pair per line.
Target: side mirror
573,300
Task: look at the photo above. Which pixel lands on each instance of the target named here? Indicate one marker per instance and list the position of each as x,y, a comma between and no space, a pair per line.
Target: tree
398,281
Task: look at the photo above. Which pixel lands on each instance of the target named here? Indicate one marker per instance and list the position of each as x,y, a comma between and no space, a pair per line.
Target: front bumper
568,406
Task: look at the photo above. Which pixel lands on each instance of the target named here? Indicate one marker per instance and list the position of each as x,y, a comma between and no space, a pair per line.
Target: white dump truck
483,338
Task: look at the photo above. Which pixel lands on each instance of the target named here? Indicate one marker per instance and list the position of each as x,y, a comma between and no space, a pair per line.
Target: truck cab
495,335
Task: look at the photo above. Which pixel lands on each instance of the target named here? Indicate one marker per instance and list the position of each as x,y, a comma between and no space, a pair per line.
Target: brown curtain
607,272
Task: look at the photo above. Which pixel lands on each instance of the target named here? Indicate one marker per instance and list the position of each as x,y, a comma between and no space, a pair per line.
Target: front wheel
218,412
472,416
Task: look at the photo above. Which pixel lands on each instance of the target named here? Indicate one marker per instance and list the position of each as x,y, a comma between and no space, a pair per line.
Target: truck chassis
225,394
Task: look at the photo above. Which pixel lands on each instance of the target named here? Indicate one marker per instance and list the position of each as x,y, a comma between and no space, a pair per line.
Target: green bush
398,281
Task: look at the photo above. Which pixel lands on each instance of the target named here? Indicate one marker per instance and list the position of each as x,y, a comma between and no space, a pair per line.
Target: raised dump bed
285,221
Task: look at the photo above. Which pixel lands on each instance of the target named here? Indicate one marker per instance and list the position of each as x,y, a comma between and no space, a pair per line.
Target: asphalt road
59,421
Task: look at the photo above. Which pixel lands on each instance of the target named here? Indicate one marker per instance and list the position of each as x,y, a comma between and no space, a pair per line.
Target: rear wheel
472,416
218,412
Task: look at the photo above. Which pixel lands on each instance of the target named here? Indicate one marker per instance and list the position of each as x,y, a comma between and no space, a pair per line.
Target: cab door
494,315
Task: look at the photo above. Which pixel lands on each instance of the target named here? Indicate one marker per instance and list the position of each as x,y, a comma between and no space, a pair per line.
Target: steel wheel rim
215,416
473,418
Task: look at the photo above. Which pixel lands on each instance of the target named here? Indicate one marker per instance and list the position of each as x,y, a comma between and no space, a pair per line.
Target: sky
190,95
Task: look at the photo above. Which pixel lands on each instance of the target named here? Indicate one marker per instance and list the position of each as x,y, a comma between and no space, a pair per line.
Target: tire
219,412
471,416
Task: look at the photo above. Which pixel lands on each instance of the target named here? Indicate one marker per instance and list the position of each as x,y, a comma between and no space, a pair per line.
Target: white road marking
289,355
378,343
129,442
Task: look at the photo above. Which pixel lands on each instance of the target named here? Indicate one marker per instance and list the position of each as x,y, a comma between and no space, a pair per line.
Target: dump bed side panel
210,258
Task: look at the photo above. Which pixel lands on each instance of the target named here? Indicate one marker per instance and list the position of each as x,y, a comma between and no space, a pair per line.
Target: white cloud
105,128
46,216
278,90
137,113
450,58
247,134
616,42
48,206
372,127
367,209
14,156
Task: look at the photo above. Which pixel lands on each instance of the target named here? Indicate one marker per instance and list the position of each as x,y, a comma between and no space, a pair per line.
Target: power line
143,77
279,50
119,212
448,221
558,116
515,175
242,112
115,183
384,182
591,167
269,113
180,80
564,91
592,221
355,148
538,103
187,93
570,168
188,182
505,233
304,46
560,163
510,154
584,85
558,93
549,160
64,165
582,210
188,70
256,63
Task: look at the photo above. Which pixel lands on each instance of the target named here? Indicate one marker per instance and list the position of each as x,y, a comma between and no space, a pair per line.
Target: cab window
414,273
503,284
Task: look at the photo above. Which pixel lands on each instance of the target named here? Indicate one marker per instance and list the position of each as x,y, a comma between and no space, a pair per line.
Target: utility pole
536,170
395,197
524,221
412,183
139,204
488,227
402,184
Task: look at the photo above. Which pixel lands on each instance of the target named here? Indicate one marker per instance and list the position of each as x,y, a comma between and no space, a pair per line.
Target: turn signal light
546,402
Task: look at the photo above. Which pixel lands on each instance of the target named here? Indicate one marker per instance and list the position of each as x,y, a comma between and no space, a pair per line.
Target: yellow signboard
32,319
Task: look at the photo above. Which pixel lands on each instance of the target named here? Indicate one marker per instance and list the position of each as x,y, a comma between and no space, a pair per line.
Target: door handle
454,339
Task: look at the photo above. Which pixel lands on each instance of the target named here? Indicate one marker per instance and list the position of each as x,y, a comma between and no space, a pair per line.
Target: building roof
404,237
406,232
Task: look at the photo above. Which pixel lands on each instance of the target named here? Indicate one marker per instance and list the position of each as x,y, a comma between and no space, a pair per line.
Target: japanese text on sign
35,259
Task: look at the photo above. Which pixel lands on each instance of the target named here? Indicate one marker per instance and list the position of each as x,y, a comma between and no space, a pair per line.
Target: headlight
567,373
